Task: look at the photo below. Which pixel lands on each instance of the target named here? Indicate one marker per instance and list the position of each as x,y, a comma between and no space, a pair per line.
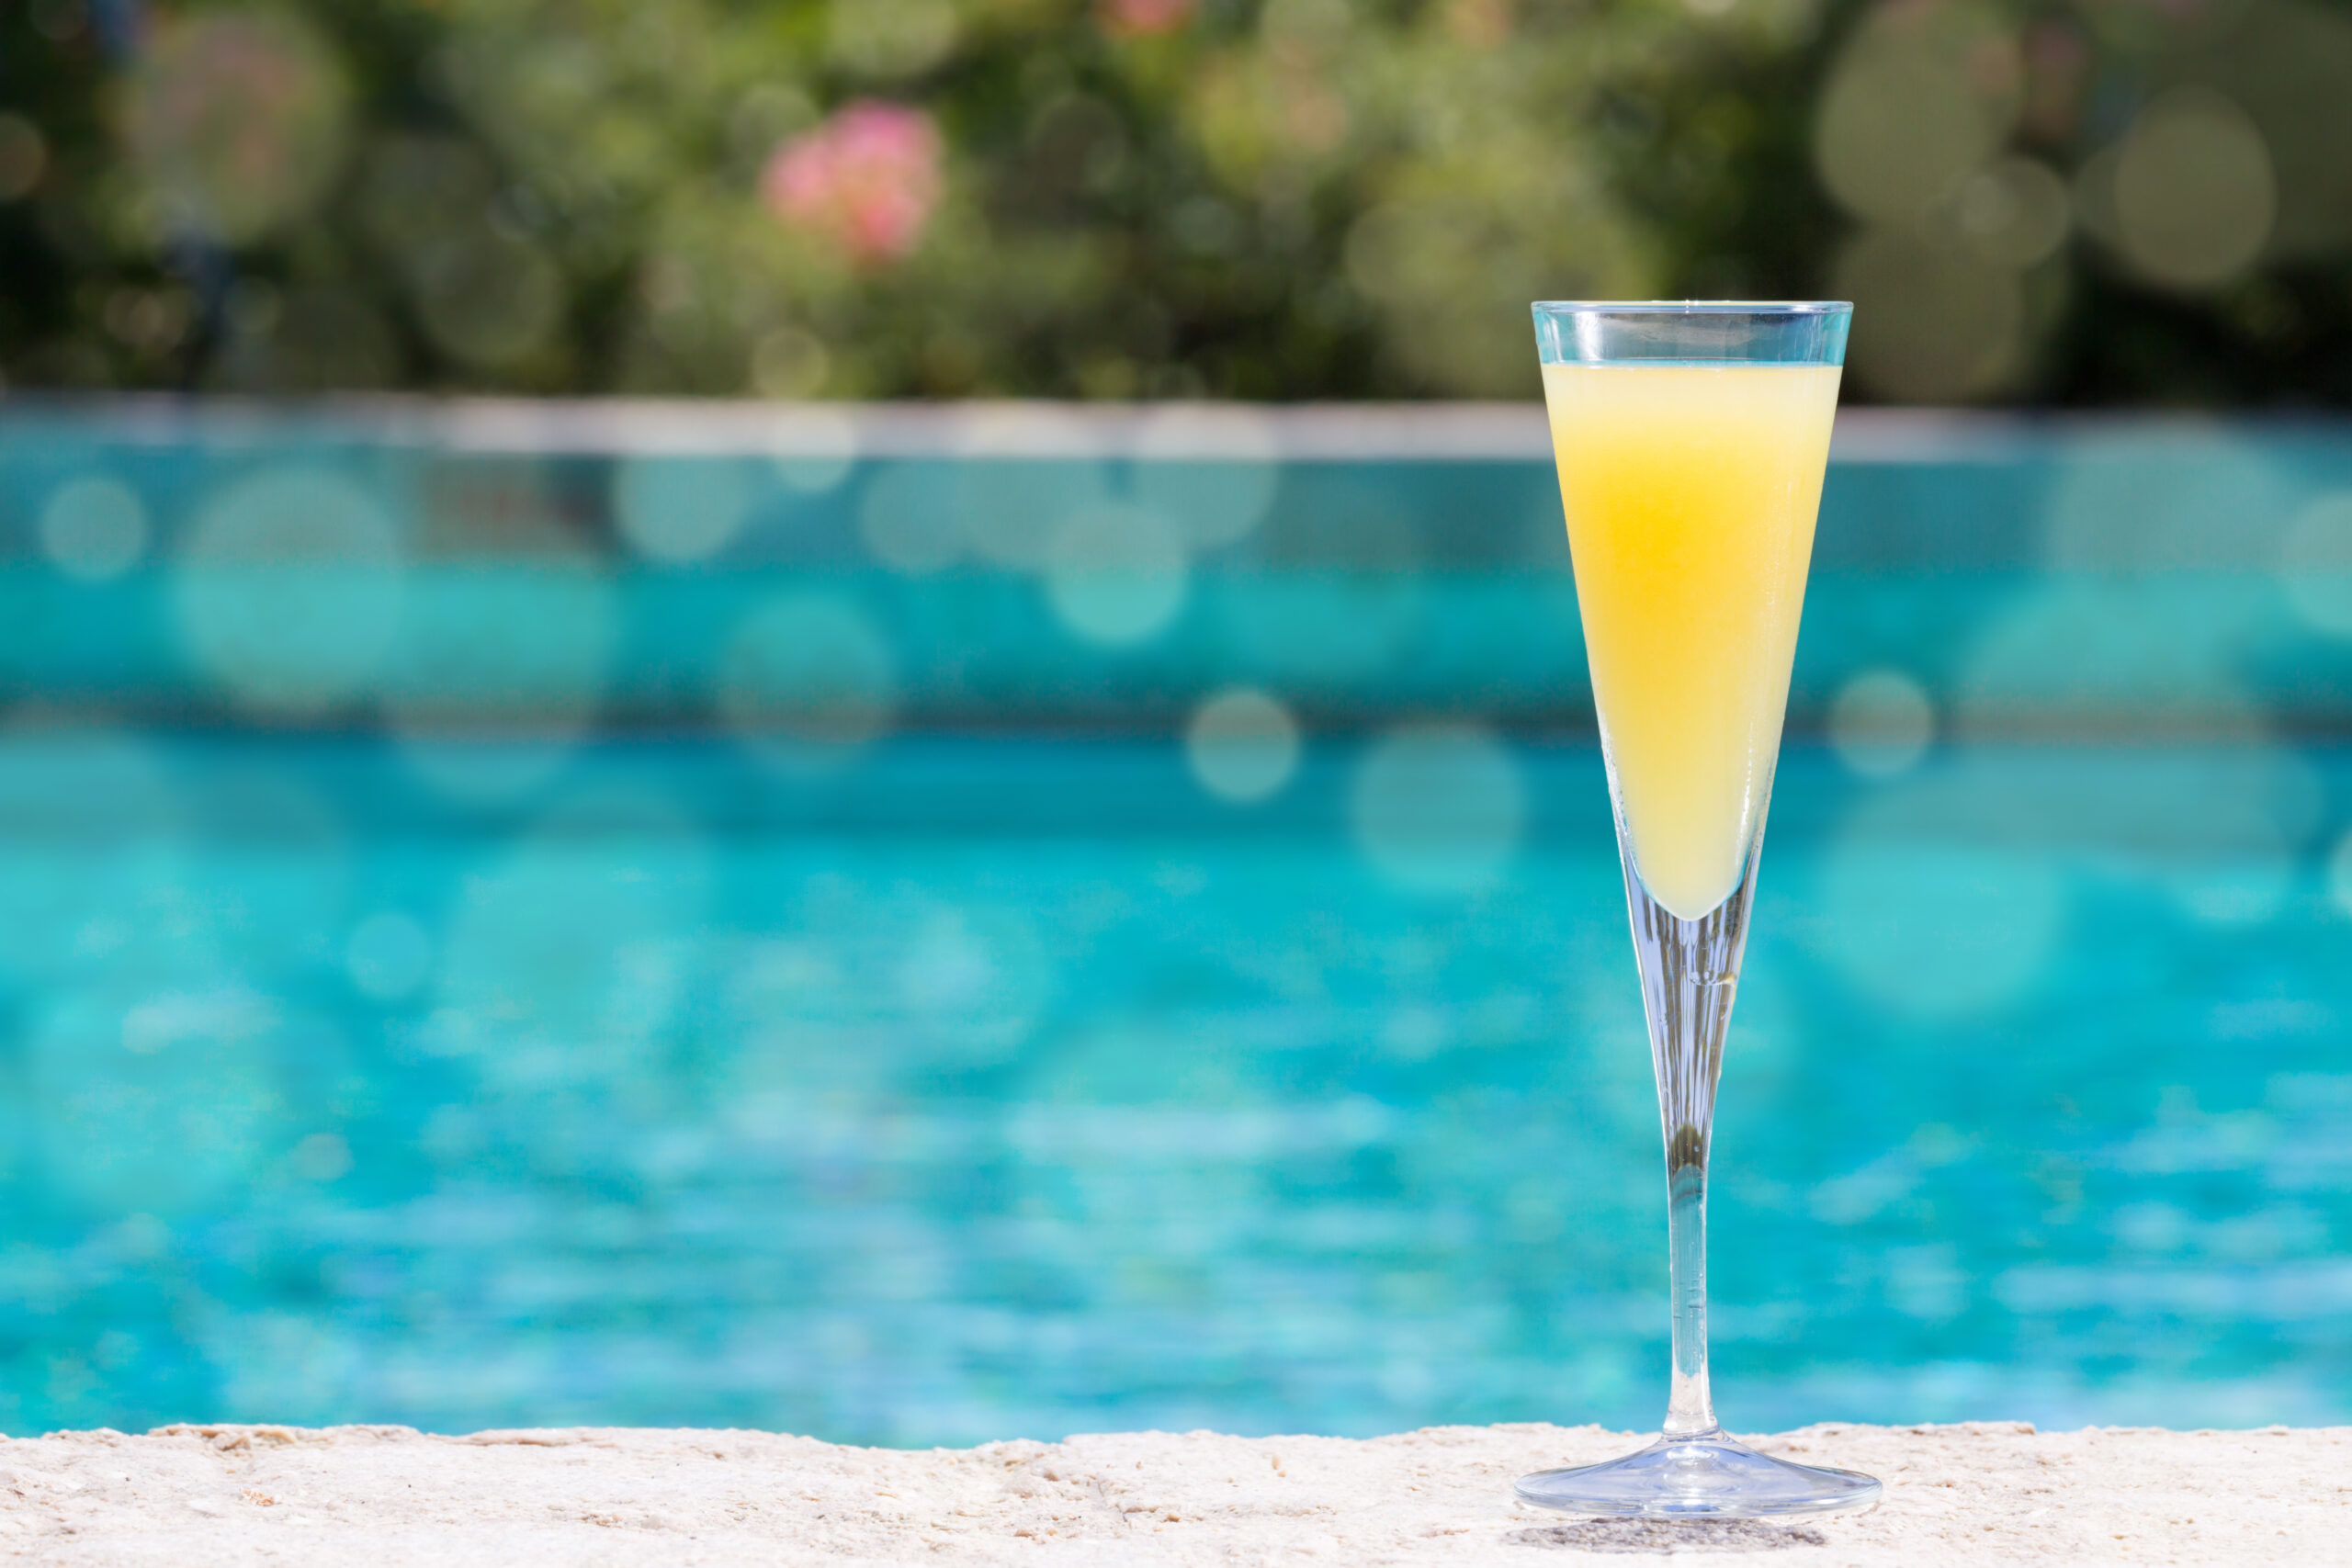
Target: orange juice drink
1691,493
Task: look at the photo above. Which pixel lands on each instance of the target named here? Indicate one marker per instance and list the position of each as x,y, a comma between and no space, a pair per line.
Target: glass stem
1689,977
1689,1412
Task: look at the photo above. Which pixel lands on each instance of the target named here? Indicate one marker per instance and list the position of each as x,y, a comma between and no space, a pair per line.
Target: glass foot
1712,1477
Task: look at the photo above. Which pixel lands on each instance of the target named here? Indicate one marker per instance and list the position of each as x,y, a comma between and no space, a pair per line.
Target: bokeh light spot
2315,563
94,529
416,190
1999,913
806,680
978,969
1213,471
2168,500
790,362
389,955
2292,71
1439,264
1118,574
2224,823
1012,510
321,1157
1919,97
2084,656
681,509
1881,723
1315,24
489,299
2194,192
307,340
900,38
238,119
24,156
498,670
288,588
2015,212
1142,18
1439,808
1932,322
821,450
1242,745
230,1013
907,517
1024,474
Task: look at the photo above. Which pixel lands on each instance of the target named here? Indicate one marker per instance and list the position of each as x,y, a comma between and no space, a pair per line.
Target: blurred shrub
2102,200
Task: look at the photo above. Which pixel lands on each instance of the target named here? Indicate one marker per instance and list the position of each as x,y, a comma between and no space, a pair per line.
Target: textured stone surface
1985,1493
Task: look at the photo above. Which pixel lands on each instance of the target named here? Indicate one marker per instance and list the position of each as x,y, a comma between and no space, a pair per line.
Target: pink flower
1143,19
866,179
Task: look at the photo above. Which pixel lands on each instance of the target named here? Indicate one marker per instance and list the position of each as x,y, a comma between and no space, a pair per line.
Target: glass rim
1697,307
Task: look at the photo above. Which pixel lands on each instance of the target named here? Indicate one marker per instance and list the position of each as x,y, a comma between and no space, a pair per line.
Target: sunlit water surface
986,1088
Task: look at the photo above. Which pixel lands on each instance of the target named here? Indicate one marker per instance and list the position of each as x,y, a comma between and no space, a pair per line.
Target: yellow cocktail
1691,493
1691,439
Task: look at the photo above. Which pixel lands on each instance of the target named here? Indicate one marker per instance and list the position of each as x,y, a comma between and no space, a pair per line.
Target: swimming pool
982,1071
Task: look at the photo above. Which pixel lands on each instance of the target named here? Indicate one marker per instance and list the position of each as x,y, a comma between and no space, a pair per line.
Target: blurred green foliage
2101,201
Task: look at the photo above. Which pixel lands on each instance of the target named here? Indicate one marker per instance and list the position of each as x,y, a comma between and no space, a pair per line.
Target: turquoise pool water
515,916
1007,1086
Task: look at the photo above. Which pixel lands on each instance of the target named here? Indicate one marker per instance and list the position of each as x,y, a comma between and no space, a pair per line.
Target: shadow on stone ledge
1664,1536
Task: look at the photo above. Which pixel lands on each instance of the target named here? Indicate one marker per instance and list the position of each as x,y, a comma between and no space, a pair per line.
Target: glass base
1712,1477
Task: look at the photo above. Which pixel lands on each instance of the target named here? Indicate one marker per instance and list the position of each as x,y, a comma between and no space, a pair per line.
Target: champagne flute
1691,441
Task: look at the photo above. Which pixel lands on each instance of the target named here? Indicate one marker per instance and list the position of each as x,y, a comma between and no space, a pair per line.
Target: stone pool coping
1980,1493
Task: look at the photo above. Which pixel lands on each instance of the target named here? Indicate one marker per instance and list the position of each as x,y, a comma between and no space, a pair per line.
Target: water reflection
872,984
160,1107
565,959
1003,1122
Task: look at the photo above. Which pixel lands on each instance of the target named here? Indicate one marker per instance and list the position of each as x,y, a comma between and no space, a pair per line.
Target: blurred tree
2081,201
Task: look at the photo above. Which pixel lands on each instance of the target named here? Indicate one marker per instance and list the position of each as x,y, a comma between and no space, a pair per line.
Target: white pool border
1367,432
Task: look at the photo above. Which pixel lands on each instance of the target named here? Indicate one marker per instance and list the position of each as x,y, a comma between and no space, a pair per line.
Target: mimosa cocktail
1691,493
1692,442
